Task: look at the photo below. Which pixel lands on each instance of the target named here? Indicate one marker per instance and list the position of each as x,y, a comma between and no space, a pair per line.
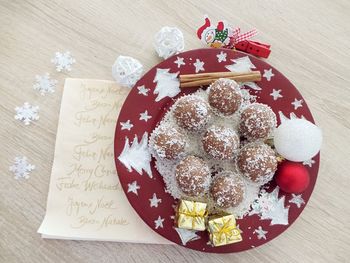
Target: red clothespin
255,48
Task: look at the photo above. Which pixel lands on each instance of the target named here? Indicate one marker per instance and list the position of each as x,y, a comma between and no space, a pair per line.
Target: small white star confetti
309,162
154,201
63,61
297,200
21,168
199,65
27,113
133,187
159,222
179,61
143,90
126,125
276,94
44,84
186,235
144,116
260,233
221,57
268,74
297,103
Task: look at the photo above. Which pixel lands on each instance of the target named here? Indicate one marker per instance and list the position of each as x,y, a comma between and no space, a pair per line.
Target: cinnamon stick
194,80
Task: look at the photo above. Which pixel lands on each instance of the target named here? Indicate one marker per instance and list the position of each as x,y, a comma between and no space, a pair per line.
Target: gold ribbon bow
191,215
223,231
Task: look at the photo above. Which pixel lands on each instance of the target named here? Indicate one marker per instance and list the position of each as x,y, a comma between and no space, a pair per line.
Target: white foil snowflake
63,61
44,84
21,168
27,113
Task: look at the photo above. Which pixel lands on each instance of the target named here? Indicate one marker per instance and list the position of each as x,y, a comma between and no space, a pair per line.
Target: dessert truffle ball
193,176
257,121
220,143
191,113
168,143
257,161
227,190
225,96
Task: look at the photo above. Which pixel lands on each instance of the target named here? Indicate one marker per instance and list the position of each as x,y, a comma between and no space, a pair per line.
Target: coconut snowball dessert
193,176
257,121
220,143
227,190
225,96
168,143
191,113
257,161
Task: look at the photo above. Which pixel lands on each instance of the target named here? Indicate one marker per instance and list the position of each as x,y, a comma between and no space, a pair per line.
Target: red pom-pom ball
292,177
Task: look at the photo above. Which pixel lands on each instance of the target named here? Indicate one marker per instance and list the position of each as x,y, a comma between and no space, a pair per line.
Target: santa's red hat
202,28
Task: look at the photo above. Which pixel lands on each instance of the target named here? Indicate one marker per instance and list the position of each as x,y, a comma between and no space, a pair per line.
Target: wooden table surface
310,45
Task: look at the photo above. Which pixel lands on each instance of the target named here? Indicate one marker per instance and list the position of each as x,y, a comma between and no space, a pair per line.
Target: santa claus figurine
217,37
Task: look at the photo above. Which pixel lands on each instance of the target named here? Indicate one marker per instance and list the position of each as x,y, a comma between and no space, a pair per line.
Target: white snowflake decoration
63,61
186,235
168,84
269,207
21,168
127,71
137,156
27,113
44,84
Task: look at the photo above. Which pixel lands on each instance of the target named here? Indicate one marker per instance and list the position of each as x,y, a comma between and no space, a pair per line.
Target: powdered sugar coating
225,96
191,113
257,121
193,176
257,161
227,190
220,142
168,143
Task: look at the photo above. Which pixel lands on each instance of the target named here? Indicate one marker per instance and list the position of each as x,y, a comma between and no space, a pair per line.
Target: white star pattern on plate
268,74
297,103
143,90
126,125
309,162
199,65
159,222
297,200
44,84
154,201
222,56
179,62
144,116
276,94
27,113
21,168
260,233
133,187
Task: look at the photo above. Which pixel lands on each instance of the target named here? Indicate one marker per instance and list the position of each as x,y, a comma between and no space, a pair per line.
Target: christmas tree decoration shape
186,235
242,64
137,156
168,84
269,207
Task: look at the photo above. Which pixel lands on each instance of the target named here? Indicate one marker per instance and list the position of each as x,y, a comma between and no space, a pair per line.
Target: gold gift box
223,231
191,215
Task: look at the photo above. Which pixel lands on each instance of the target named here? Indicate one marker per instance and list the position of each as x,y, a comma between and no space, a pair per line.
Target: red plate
140,188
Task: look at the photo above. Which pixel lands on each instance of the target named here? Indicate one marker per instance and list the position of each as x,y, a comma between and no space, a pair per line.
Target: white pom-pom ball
168,41
297,140
127,71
